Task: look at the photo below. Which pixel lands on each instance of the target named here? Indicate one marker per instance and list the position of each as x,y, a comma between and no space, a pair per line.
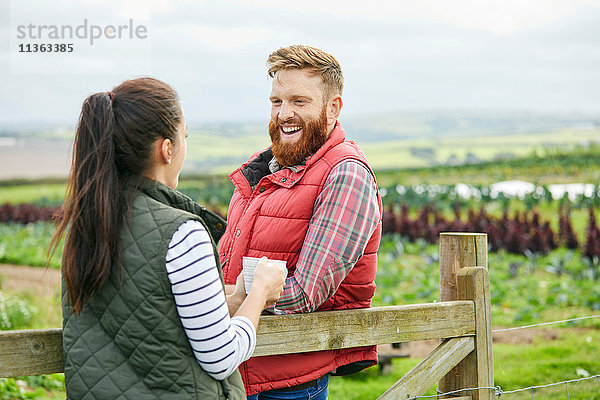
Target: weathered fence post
458,251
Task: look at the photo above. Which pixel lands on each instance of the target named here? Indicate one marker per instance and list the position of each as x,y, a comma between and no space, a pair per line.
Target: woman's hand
235,299
267,286
268,280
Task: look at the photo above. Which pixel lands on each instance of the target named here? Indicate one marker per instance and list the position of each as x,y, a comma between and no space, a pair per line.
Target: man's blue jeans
318,392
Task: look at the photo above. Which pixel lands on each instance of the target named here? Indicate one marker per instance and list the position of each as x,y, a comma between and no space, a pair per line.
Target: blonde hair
321,63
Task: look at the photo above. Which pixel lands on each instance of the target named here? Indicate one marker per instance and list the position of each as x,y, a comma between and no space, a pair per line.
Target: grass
46,309
369,384
401,153
50,193
571,355
549,165
48,387
27,244
215,153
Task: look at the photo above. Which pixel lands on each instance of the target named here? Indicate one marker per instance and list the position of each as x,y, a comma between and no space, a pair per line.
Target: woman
145,315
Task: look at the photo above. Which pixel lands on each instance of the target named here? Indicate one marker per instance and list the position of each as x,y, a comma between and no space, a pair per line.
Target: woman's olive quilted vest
128,341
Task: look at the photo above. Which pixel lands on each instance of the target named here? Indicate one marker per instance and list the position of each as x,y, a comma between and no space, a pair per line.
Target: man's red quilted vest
271,220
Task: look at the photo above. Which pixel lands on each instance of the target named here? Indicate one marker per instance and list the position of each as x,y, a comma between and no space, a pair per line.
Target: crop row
26,213
521,233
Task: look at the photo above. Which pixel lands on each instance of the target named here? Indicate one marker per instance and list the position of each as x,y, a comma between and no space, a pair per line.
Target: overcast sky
541,55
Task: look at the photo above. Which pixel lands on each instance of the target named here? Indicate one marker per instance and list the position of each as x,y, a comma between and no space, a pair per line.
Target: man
310,199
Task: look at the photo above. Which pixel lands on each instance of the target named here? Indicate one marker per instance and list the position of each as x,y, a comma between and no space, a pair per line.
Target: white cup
249,265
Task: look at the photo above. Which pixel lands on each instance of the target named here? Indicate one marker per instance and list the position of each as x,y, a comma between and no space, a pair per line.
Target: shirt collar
274,166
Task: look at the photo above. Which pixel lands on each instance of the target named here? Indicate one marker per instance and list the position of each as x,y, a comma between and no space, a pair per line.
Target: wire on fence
498,392
544,323
566,383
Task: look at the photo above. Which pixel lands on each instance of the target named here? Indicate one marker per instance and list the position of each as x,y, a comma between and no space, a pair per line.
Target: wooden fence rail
462,360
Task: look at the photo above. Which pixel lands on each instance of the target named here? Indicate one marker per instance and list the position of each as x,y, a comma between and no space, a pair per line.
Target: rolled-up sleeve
346,214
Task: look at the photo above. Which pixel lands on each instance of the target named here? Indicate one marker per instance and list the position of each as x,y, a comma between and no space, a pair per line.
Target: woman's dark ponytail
112,150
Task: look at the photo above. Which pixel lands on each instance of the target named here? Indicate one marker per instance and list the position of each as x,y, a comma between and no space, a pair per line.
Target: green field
32,193
525,290
391,140
215,153
565,163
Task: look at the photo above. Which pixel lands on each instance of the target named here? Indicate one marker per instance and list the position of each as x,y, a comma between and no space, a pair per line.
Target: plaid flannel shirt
345,216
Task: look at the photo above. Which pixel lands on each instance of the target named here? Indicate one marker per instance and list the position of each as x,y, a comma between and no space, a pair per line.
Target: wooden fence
462,320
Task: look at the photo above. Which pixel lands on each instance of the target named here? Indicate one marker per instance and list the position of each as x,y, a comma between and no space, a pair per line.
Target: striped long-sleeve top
220,343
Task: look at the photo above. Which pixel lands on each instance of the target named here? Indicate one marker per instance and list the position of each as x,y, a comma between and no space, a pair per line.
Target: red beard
314,135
